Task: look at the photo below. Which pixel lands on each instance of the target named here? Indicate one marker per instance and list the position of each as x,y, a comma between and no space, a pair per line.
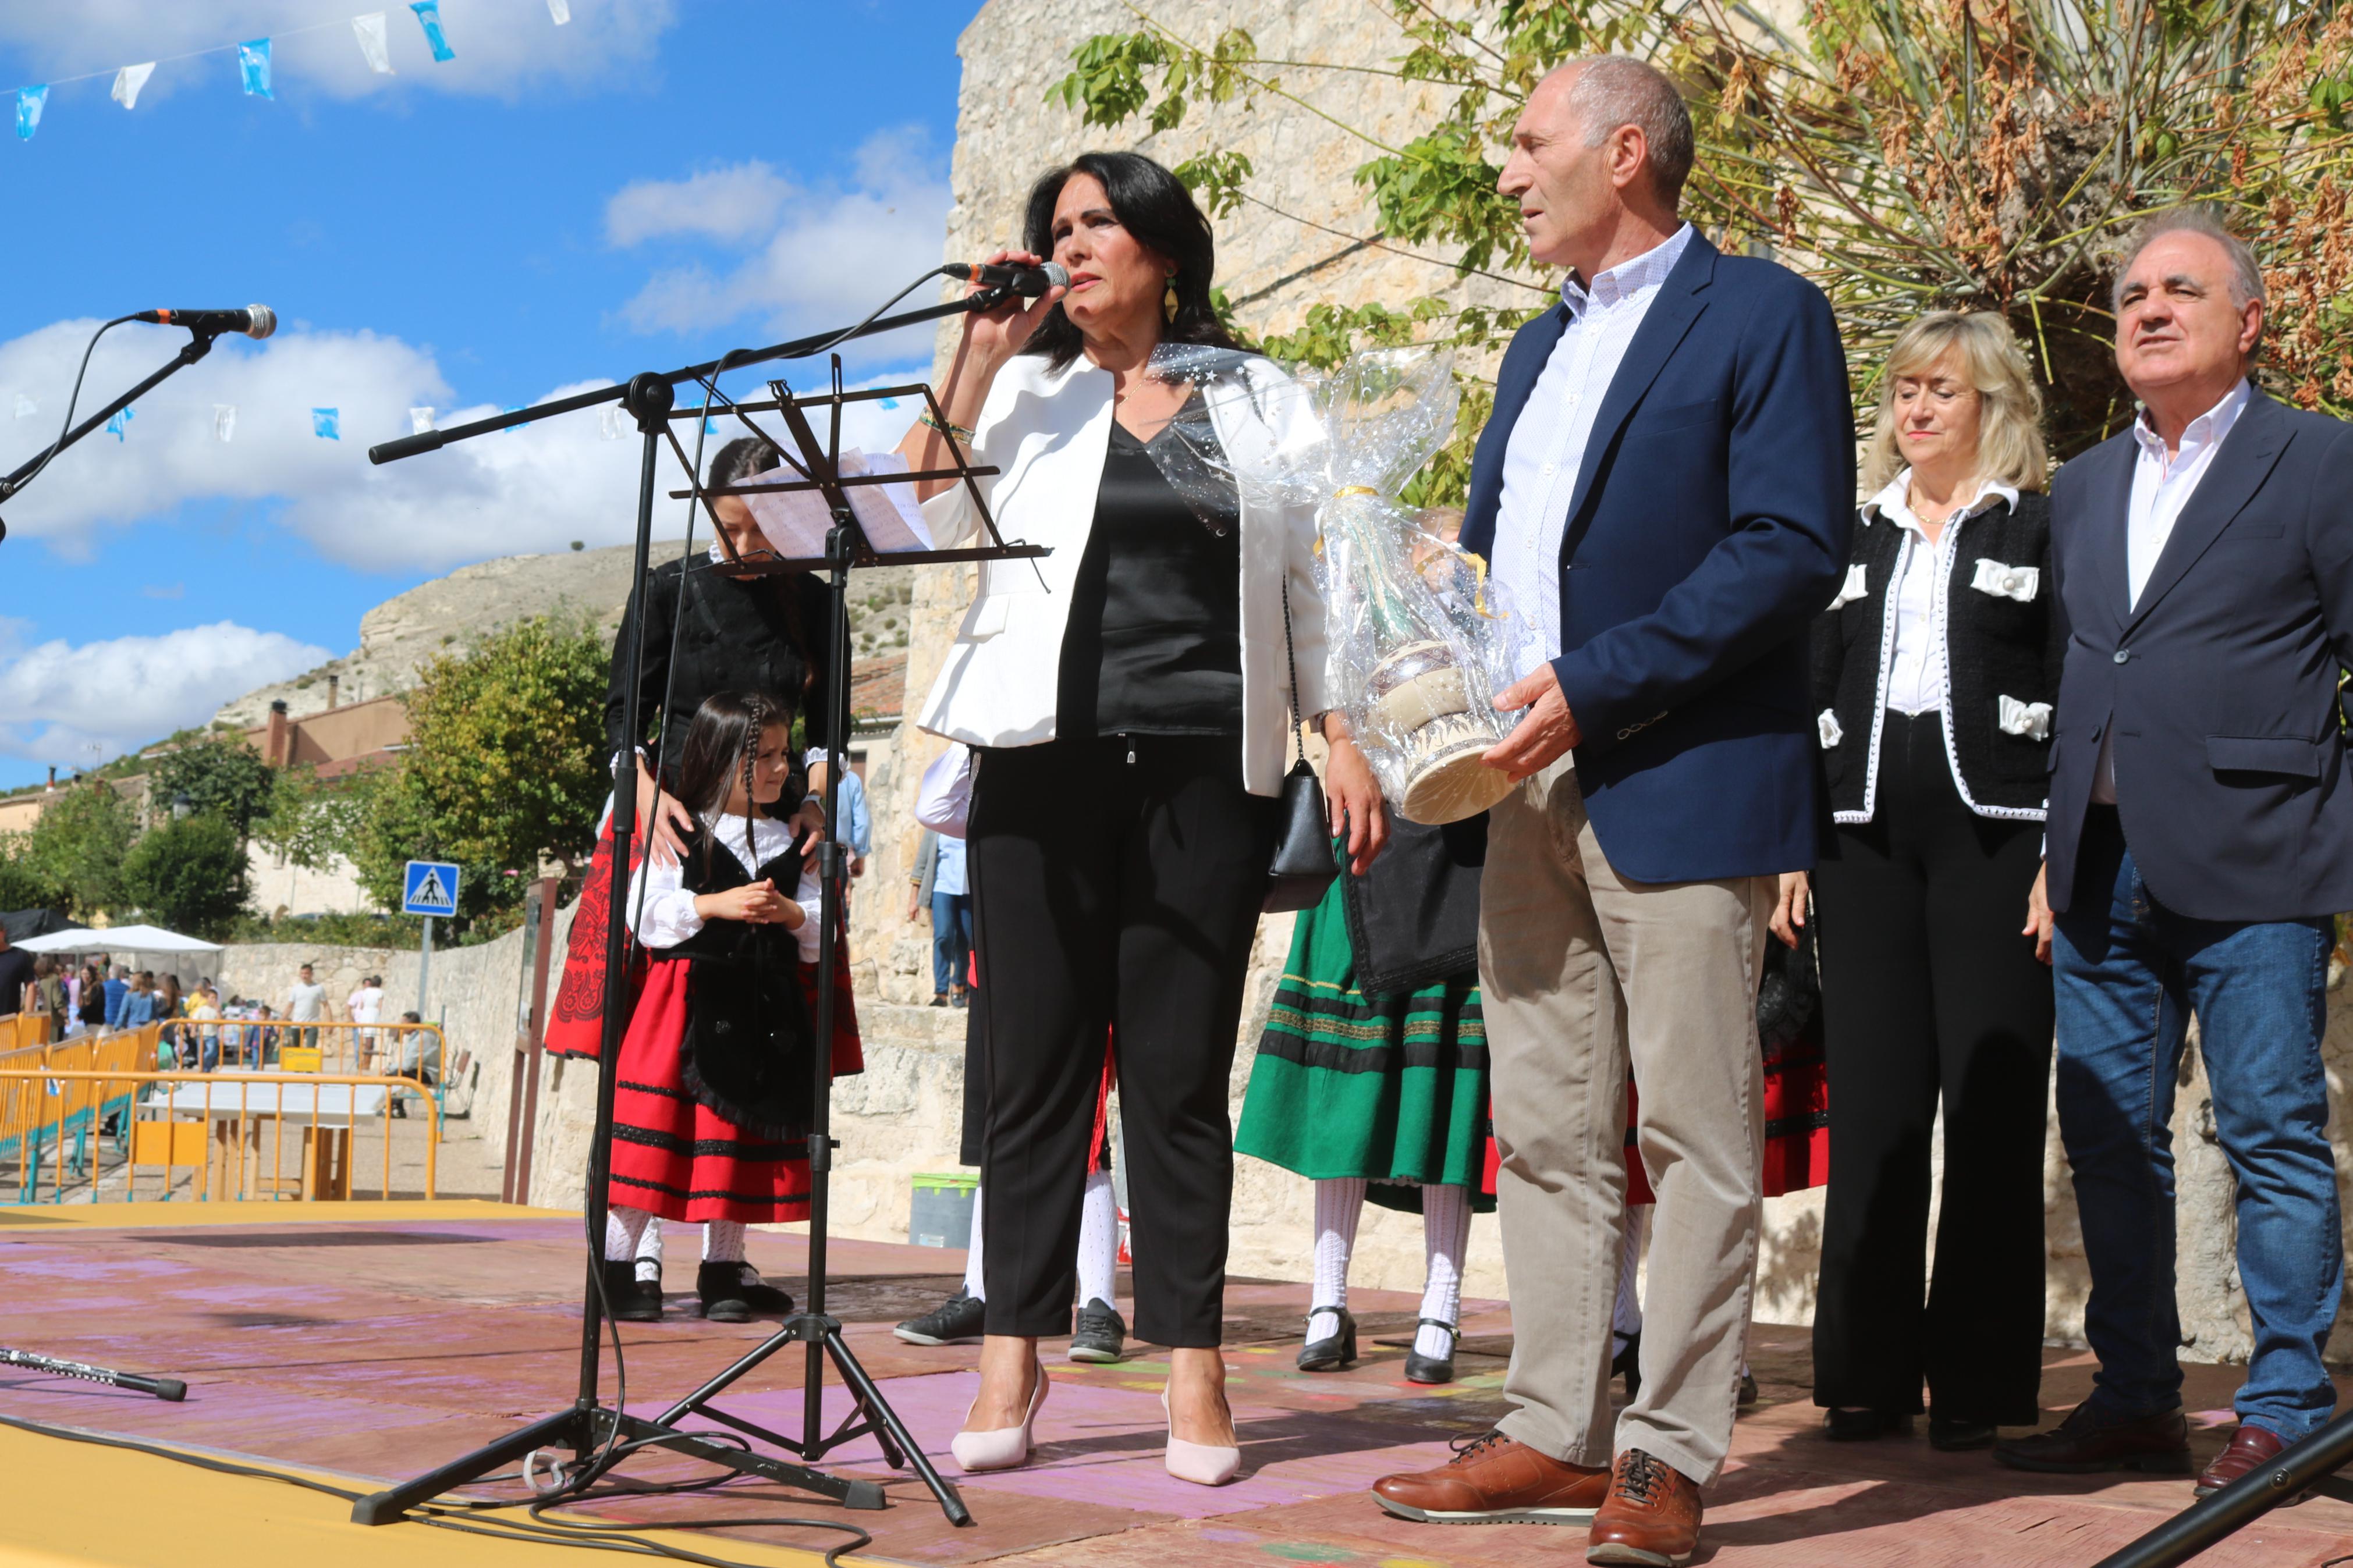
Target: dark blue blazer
1707,529
2221,685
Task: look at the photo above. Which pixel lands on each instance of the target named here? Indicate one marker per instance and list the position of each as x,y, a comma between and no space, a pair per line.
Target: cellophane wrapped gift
1417,643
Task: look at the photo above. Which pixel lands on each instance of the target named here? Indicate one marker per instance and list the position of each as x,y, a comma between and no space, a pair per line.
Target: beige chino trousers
1581,972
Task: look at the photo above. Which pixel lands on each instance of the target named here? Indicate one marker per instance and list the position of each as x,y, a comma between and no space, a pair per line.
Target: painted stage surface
380,1346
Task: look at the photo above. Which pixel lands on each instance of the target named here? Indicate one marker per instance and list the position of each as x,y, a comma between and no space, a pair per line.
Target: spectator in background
90,1005
939,886
306,1003
857,831
49,995
16,978
365,1006
118,992
138,1002
412,1060
168,1006
203,1016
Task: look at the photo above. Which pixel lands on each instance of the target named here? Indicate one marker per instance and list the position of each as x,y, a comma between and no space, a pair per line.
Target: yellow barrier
220,1121
339,1045
19,1030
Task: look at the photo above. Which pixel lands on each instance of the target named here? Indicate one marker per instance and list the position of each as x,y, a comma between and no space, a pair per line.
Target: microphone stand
198,345
598,1434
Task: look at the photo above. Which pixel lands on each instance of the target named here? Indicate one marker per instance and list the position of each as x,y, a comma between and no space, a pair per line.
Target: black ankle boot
734,1293
1420,1368
627,1299
1335,1352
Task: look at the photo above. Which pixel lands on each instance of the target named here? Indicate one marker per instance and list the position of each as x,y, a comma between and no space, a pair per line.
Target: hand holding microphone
997,333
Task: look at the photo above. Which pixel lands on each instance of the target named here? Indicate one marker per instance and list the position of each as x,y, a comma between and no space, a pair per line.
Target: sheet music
795,522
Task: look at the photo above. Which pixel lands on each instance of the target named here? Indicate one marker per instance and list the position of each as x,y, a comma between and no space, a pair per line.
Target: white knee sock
650,1253
722,1241
1099,1242
1626,1315
1339,1203
623,1228
973,1286
1445,1235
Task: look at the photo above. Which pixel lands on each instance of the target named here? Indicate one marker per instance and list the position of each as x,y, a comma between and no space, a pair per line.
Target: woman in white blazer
1129,701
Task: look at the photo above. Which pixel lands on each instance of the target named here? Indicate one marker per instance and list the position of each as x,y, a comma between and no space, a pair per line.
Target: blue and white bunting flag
128,80
369,31
612,423
429,15
120,423
30,101
420,420
25,406
515,409
224,422
327,424
253,66
561,10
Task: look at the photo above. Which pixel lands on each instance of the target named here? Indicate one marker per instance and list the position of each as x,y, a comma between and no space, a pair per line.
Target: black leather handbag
1304,864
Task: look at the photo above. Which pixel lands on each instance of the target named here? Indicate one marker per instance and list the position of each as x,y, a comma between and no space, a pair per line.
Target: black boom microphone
1028,282
254,321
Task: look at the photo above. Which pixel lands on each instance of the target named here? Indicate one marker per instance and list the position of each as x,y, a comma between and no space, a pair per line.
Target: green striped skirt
1389,1087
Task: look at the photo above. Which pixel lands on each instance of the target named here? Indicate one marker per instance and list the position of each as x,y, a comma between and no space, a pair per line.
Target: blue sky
654,183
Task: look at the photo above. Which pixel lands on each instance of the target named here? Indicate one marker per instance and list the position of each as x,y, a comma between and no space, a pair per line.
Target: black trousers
1929,991
1124,895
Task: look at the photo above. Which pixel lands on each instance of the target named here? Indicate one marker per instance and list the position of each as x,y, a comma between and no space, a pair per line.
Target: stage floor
373,1340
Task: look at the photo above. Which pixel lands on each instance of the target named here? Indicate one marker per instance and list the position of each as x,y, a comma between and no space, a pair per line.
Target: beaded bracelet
950,429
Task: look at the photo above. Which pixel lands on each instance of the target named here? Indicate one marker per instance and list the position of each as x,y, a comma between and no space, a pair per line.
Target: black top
746,1050
1996,646
16,973
754,633
1154,643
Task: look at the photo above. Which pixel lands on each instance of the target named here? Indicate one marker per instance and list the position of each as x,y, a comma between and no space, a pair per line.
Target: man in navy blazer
1663,496
2200,842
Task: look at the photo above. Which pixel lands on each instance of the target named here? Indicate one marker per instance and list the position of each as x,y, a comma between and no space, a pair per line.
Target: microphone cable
72,399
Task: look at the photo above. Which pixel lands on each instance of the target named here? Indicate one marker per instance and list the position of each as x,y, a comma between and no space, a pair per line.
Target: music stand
599,1435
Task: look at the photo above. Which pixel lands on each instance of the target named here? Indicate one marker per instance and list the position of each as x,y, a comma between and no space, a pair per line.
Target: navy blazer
1707,529
2221,685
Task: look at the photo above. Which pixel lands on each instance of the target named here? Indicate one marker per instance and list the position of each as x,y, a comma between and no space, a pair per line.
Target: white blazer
1050,431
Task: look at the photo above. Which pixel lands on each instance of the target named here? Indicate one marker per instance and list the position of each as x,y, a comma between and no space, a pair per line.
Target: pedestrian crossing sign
432,889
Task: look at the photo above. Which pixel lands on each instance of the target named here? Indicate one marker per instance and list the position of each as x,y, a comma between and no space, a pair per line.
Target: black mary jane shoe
1420,1368
628,1299
1959,1434
1862,1426
734,1293
1330,1354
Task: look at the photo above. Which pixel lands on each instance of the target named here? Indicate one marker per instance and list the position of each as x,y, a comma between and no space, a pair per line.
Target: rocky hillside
450,613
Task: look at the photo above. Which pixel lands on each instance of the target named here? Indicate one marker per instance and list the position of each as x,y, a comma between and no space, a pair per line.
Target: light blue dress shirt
949,876
1546,446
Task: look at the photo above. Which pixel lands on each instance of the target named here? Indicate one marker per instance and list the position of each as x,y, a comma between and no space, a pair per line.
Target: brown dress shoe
2251,1448
2090,1440
1651,1516
1494,1479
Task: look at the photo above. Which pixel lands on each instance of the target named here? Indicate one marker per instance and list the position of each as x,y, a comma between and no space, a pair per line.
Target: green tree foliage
188,874
505,767
77,845
311,820
221,776
1906,154
22,887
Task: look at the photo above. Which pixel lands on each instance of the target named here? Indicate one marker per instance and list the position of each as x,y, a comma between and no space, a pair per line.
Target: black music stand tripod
597,1434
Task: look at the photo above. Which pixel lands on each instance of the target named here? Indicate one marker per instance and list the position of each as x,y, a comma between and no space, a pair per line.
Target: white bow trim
2007,582
1855,586
2031,720
1827,725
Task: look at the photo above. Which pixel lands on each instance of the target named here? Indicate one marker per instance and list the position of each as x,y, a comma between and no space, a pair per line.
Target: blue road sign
432,889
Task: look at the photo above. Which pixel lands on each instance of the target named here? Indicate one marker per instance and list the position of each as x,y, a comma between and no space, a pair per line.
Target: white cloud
534,488
504,47
78,707
732,204
836,257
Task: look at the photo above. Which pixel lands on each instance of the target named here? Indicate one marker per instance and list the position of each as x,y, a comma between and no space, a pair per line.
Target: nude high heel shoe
1203,1464
1004,1448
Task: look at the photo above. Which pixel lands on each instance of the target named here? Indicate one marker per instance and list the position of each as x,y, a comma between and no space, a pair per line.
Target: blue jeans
2130,973
951,940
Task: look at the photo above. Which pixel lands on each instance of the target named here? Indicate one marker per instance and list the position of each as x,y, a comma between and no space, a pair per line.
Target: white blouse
1916,599
669,915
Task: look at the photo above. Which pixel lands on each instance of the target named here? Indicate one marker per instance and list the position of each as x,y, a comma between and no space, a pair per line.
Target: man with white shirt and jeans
1665,490
305,1004
2200,842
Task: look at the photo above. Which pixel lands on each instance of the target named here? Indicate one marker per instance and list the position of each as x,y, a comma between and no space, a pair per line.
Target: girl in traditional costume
714,1086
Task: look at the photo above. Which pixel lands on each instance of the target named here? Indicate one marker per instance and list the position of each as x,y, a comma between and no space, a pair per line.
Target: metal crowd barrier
228,1130
396,1050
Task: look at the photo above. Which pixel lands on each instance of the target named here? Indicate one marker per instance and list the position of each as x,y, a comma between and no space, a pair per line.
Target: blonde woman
1935,673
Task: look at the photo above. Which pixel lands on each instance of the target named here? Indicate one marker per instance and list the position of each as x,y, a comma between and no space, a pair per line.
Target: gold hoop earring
1168,301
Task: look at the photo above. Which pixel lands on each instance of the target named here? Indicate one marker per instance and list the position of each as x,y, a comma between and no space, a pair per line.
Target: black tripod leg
887,1422
849,1493
388,1507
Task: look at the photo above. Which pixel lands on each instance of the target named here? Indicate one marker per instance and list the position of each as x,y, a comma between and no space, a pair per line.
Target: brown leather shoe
1494,1479
2251,1448
2090,1440
1651,1516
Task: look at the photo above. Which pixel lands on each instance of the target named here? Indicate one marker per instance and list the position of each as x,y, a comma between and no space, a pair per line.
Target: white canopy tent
118,939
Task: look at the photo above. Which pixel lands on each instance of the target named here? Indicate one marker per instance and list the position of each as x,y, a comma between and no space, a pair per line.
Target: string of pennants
327,424
253,60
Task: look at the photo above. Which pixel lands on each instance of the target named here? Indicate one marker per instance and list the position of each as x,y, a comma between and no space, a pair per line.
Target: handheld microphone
1027,281
254,321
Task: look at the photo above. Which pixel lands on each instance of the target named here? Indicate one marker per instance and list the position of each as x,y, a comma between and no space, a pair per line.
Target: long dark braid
723,743
750,757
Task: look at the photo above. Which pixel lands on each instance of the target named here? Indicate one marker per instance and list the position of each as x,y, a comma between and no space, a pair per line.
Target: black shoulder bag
1304,864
